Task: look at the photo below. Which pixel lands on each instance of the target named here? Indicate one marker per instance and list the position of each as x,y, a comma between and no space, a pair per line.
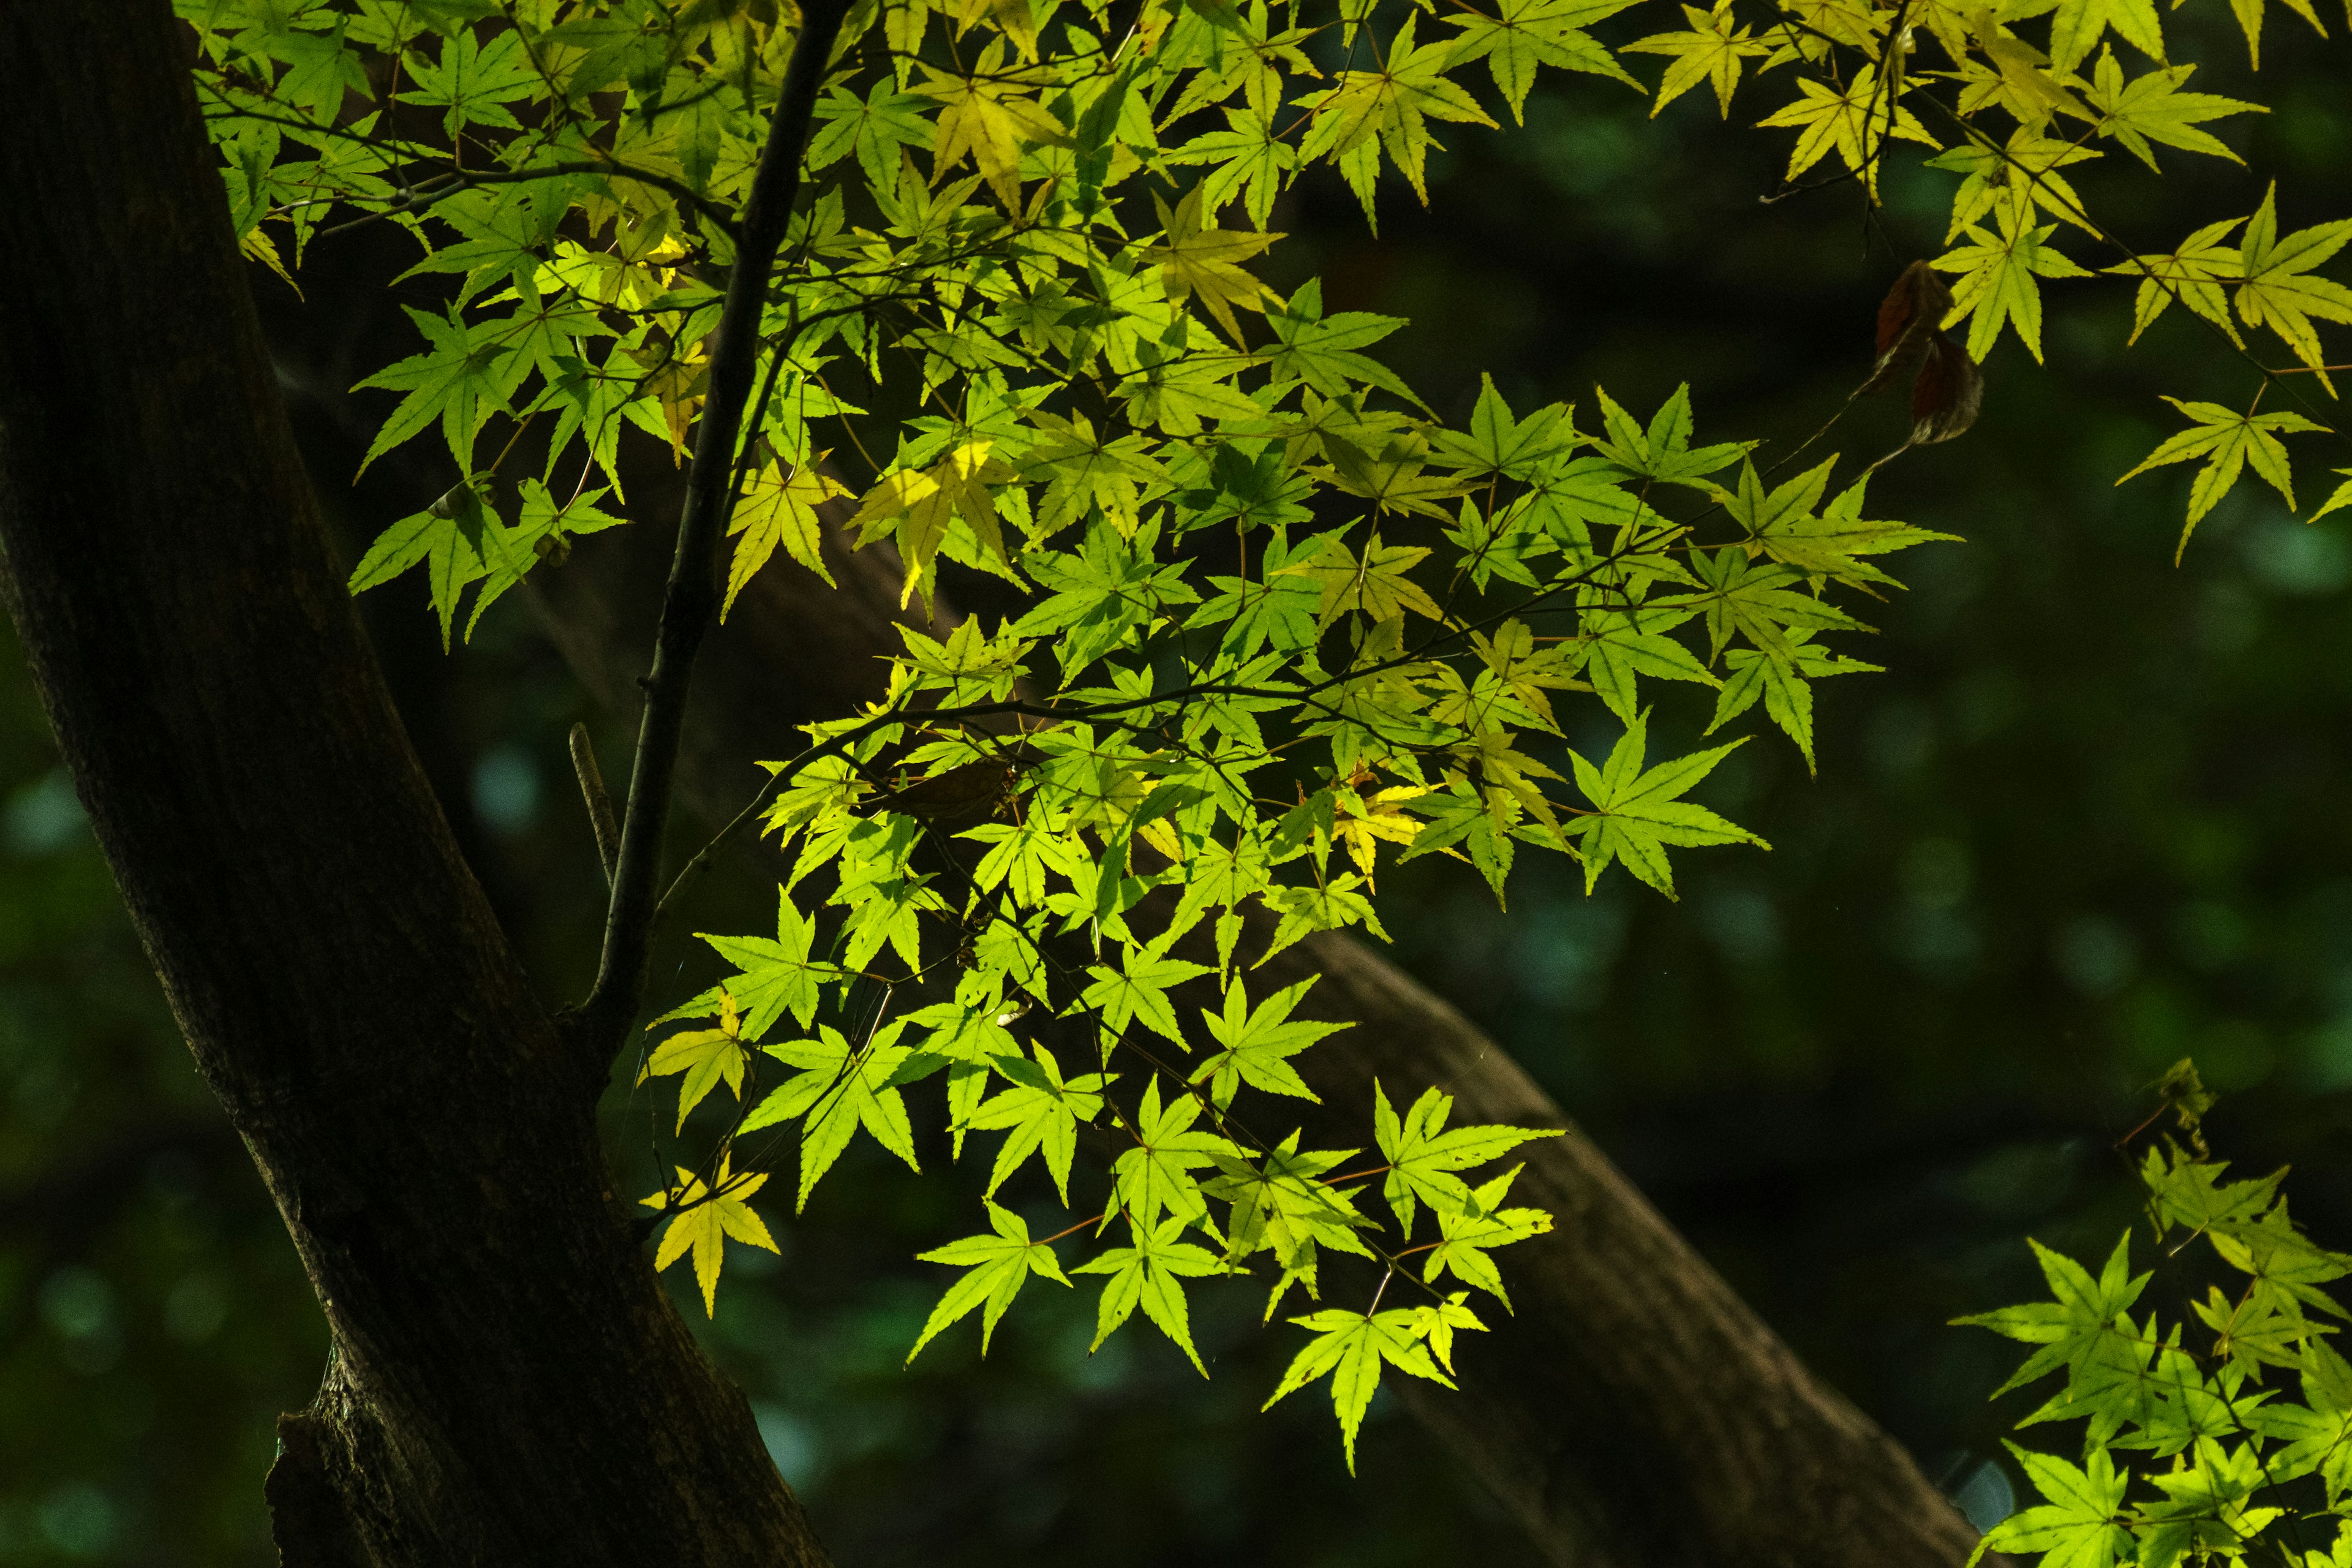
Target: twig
692,597
600,803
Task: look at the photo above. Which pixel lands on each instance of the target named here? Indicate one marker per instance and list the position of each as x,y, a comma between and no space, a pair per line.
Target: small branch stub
600,803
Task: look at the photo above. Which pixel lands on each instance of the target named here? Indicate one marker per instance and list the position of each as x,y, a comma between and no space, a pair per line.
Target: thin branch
691,599
599,801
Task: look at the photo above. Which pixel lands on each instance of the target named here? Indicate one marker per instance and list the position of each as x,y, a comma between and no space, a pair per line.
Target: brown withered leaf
1947,388
1909,319
1945,397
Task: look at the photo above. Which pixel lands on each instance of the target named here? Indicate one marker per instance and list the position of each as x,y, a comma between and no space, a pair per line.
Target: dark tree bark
1634,1411
509,1386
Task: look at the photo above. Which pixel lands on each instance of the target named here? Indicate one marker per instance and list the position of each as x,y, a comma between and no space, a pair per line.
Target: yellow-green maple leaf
1852,123
1378,585
2226,440
988,116
779,506
1394,104
1997,279
705,1056
1711,51
2278,291
918,504
2152,107
1198,258
701,1220
2193,274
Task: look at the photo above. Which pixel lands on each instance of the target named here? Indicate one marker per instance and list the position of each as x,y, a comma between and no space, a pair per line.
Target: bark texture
509,1386
1634,1413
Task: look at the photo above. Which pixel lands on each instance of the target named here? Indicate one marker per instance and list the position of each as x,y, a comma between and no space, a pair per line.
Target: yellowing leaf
921,504
988,116
2193,274
2152,107
1198,258
701,1218
2279,293
1377,586
779,506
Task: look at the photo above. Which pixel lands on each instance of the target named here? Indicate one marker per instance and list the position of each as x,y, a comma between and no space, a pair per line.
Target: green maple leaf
1468,1231
839,1091
1149,1275
1423,1153
1196,257
875,127
1040,1111
2083,1314
2079,1526
1437,1325
1637,813
1785,685
1997,285
1833,544
1497,443
2152,107
1248,158
1157,1172
2226,440
473,81
774,976
1139,990
1281,1205
1363,111
1321,351
2342,498
1351,1347
1662,452
457,537
703,1218
1083,468
2278,291
1762,601
1257,1044
1523,34
466,376
544,530
995,1266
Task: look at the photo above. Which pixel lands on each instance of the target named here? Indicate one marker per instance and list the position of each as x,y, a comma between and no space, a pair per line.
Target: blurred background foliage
2093,818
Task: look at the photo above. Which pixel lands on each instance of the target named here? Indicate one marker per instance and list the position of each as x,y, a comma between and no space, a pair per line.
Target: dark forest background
2097,816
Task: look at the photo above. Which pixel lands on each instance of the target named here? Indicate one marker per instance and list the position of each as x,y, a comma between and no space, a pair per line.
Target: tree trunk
509,1383
1634,1413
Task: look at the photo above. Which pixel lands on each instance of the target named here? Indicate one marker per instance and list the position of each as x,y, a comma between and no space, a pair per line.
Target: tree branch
692,595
